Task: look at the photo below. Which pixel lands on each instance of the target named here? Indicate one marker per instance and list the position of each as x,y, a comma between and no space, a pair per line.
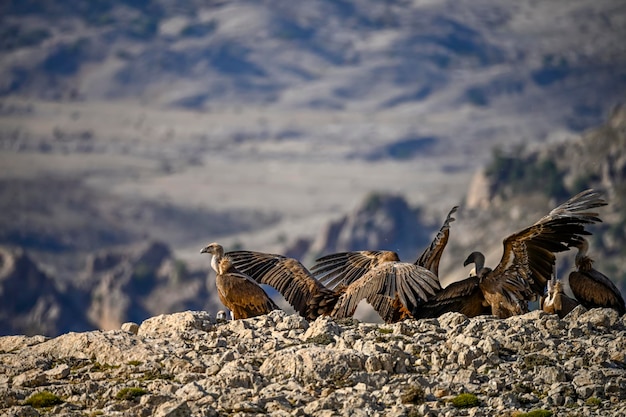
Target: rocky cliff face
129,283
381,221
187,364
31,303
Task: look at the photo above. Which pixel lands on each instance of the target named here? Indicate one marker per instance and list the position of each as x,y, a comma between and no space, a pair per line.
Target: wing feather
462,296
346,267
303,292
408,283
431,256
534,247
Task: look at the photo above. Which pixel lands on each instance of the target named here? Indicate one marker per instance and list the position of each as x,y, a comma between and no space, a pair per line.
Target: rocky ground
187,364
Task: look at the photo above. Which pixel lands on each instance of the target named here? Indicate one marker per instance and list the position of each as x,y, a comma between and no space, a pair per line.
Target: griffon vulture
592,288
527,262
404,285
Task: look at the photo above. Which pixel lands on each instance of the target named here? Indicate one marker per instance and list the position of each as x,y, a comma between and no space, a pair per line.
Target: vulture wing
400,282
462,296
343,268
431,256
529,254
289,277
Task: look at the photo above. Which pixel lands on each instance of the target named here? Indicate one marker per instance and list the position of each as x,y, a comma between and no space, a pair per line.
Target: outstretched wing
409,284
462,296
529,254
344,268
289,277
594,289
431,256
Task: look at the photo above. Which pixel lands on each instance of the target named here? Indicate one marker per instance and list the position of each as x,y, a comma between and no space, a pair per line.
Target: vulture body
240,294
237,291
556,301
526,266
592,288
393,288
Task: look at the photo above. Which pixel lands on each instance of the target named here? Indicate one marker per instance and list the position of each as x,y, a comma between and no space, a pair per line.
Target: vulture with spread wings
526,266
289,277
393,288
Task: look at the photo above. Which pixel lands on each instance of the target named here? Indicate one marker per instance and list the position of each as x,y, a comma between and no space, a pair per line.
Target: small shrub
43,399
536,413
130,393
413,395
384,330
135,363
97,366
594,401
465,400
320,339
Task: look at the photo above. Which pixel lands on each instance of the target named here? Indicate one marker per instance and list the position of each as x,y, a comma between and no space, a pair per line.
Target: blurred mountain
354,54
30,302
120,284
381,222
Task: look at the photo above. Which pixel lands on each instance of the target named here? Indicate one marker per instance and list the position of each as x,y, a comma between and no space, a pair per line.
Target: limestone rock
185,364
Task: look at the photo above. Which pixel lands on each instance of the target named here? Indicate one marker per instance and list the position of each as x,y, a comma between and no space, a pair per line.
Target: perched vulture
237,291
393,288
590,287
527,263
289,277
556,301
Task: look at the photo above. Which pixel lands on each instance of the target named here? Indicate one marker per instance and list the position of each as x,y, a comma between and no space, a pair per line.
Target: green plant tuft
134,363
385,330
320,339
43,399
593,401
130,393
465,400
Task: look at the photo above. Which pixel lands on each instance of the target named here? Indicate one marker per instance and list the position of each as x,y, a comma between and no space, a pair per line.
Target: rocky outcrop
381,221
186,364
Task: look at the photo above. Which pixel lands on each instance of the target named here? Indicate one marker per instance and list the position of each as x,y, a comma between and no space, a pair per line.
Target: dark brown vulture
393,288
237,291
528,259
240,294
592,288
289,277
556,301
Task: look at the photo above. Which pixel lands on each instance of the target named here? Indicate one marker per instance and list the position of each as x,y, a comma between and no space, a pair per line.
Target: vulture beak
469,260
205,250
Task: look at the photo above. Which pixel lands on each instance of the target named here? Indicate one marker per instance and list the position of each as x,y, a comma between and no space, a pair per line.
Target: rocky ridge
187,364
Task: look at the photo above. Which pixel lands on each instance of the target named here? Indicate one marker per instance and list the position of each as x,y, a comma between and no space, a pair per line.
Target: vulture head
214,249
217,251
478,259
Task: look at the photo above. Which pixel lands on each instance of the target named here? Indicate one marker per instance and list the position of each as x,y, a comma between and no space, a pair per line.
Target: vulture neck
217,257
583,262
